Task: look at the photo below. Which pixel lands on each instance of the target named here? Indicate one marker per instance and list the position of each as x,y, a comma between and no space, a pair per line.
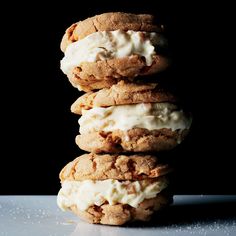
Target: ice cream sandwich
104,49
114,189
130,117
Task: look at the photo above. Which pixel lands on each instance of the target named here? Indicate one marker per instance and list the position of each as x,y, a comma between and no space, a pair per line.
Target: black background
38,130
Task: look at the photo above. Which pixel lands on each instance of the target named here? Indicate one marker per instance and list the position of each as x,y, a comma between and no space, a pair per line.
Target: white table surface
189,215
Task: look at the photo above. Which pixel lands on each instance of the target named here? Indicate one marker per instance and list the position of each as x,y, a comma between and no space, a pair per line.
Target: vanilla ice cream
86,193
151,116
104,45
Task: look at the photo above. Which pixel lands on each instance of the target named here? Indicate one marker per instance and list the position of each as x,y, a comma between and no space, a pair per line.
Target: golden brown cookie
121,94
109,22
120,167
103,74
120,214
134,140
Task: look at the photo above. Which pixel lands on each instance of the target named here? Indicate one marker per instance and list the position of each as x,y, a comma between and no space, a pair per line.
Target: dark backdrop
38,130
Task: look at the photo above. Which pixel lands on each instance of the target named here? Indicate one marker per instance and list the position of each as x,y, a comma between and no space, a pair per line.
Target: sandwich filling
151,116
86,193
105,45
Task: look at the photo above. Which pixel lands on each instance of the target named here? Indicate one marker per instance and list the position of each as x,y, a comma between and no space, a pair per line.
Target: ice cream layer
84,194
151,116
104,45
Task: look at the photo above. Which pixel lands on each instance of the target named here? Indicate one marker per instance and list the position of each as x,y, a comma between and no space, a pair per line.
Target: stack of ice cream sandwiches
126,120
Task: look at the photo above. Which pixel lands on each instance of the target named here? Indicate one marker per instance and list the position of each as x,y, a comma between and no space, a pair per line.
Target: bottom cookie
134,140
120,214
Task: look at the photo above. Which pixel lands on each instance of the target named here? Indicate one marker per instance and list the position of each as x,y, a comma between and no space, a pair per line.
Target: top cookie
120,167
123,93
109,22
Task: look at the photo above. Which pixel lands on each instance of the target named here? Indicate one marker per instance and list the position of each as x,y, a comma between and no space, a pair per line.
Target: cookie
103,74
109,22
107,48
133,140
120,214
120,167
123,93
